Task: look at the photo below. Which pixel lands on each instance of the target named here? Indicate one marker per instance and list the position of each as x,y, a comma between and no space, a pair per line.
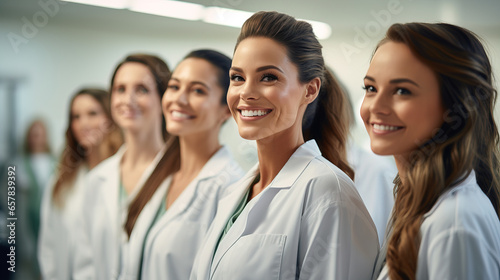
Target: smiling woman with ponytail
296,214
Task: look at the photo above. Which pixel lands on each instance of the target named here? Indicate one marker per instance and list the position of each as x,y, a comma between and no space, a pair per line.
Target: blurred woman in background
137,87
91,137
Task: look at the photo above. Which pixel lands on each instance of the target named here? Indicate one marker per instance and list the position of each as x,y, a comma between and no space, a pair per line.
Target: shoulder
105,167
326,186
325,175
463,210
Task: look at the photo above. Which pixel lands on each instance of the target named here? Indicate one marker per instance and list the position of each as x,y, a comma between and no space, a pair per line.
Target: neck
402,163
273,153
142,146
93,157
195,152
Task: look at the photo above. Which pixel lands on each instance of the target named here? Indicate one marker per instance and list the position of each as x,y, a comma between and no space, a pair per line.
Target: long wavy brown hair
324,119
467,141
74,155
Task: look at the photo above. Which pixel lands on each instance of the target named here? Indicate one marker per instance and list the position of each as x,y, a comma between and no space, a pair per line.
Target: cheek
364,111
164,103
232,98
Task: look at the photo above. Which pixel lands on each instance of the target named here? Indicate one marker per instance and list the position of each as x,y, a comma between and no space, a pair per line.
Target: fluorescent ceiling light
174,9
228,17
321,29
191,11
115,4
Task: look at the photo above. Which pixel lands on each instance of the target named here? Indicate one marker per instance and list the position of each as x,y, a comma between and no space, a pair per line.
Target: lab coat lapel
225,210
213,167
109,186
259,205
142,227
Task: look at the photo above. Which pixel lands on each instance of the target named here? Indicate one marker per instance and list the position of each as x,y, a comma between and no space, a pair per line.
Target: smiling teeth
384,127
176,114
253,113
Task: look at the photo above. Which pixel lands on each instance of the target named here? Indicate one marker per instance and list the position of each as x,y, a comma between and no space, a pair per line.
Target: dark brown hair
467,141
170,161
324,118
74,155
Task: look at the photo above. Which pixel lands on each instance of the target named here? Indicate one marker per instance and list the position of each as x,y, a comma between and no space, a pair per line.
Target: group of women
172,203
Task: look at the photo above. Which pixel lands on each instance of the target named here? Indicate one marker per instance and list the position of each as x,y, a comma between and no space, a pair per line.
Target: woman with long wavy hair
91,137
429,102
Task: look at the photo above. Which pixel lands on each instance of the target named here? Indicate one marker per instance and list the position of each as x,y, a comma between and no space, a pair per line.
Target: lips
178,115
384,129
254,113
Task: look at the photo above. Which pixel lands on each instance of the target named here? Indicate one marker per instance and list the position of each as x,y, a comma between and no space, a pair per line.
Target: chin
248,134
381,151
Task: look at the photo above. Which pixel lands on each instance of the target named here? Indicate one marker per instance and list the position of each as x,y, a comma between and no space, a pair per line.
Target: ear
312,90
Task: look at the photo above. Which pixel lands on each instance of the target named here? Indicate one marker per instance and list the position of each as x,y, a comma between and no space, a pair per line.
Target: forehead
395,60
193,68
84,100
255,51
134,71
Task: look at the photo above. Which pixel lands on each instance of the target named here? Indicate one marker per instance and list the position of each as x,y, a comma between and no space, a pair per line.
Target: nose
248,92
380,103
180,97
128,97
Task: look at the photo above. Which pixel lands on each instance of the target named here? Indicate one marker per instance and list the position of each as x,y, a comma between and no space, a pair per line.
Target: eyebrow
260,69
192,83
395,81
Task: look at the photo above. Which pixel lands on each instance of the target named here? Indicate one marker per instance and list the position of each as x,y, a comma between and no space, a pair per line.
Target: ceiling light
224,16
115,4
174,9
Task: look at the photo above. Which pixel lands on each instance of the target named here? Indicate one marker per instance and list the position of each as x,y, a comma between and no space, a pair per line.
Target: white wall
64,56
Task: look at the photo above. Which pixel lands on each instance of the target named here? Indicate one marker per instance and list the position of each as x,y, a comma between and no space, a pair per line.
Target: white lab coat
460,237
309,223
56,245
374,176
101,245
173,241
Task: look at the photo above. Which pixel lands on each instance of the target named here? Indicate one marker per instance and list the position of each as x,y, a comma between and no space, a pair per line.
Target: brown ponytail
168,165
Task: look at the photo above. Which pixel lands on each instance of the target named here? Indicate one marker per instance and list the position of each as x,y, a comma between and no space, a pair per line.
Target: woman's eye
74,117
172,87
369,89
119,89
236,78
199,91
269,78
402,91
93,113
142,89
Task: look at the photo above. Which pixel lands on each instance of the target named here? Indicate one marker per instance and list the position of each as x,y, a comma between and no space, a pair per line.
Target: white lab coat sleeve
468,257
83,267
337,243
47,239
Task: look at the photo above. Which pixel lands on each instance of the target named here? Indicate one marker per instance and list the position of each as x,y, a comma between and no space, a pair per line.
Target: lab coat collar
290,172
220,161
108,173
468,181
297,163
